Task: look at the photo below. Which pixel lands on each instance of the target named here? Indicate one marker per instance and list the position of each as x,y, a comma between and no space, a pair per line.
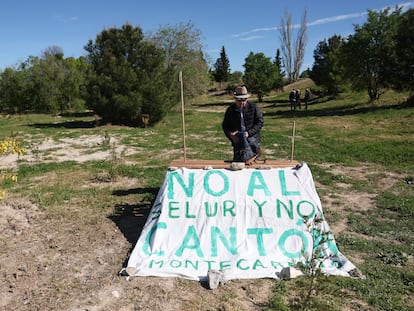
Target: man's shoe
251,160
259,157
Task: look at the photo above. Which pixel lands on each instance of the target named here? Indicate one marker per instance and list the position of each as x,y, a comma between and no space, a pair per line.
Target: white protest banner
248,223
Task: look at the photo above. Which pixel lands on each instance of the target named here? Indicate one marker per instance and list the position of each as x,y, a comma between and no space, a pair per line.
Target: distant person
307,97
297,95
242,124
292,99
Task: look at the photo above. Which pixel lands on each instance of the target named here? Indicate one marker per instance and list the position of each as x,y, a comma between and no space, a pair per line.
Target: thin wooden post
293,141
182,115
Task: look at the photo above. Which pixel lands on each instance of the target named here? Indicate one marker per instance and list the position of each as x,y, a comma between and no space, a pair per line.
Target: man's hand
234,137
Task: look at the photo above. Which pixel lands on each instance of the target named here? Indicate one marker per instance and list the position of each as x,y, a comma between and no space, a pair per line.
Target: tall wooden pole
182,115
293,141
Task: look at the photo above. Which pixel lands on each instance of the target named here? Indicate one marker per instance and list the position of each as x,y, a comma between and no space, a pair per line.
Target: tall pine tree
222,67
128,77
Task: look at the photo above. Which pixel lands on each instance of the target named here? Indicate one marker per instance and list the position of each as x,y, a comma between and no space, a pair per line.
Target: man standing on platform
242,124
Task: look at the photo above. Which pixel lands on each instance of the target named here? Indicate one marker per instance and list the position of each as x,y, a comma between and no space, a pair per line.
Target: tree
404,75
53,51
237,77
74,84
55,83
13,91
261,75
47,84
184,52
293,50
278,63
369,55
46,81
65,79
222,67
127,76
305,74
326,69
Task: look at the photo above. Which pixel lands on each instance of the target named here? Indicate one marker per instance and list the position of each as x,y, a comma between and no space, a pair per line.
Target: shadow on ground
67,124
344,110
131,218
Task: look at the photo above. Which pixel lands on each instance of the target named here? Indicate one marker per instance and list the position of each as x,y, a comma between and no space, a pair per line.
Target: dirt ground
65,264
71,261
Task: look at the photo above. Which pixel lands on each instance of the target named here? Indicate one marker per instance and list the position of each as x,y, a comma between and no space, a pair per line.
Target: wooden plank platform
201,164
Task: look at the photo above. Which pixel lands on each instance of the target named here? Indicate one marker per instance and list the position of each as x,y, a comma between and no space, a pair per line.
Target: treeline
261,75
126,74
377,57
47,84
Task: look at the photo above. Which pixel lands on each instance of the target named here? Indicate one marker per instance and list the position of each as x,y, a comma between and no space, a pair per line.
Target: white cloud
316,22
253,31
405,6
244,36
251,38
337,18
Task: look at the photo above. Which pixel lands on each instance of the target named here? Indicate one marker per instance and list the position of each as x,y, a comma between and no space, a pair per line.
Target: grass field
64,222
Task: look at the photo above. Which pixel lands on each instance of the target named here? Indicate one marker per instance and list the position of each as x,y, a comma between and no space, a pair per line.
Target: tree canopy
404,77
50,84
327,69
183,51
293,49
222,67
375,58
261,74
369,54
127,76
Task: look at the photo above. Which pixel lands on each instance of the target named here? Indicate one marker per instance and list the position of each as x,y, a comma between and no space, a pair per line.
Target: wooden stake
293,141
180,77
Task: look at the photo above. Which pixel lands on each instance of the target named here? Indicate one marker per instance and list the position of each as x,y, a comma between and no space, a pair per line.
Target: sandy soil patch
80,149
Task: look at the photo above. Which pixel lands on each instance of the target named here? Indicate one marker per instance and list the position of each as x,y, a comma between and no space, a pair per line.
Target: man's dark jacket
253,119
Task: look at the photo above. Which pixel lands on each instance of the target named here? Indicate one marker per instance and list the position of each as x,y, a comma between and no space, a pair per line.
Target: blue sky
28,27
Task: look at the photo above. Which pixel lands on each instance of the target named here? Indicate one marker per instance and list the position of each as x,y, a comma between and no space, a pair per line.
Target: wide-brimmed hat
241,92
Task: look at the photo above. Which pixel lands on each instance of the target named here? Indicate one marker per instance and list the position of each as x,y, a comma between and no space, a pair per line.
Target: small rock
236,166
215,278
288,273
